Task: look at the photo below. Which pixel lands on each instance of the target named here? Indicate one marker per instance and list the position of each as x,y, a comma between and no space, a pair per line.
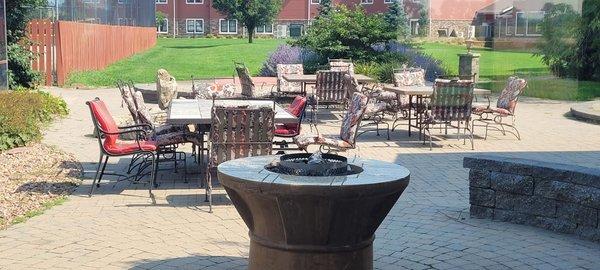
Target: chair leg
102,172
208,194
153,173
517,132
96,175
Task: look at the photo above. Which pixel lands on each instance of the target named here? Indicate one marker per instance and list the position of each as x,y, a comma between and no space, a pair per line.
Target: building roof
455,10
503,6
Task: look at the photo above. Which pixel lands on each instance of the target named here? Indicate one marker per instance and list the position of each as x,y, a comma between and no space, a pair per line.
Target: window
534,23
161,1
194,26
520,24
508,29
163,27
315,2
227,26
194,2
122,21
264,29
388,1
366,2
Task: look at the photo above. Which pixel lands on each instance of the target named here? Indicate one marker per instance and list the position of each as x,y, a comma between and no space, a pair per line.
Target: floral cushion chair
347,137
285,87
215,91
505,108
403,77
344,65
374,113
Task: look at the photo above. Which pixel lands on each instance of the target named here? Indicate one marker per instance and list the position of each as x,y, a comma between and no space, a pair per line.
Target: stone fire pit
312,222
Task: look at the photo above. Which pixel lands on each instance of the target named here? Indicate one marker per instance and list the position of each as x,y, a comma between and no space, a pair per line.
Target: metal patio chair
289,88
375,112
399,104
451,101
343,65
285,131
107,132
238,132
505,108
347,138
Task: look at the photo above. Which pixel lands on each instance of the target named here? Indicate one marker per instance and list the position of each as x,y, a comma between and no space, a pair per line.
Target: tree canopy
346,33
397,19
251,13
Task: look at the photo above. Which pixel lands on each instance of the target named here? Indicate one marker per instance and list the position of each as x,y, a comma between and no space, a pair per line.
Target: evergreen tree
589,42
325,7
397,19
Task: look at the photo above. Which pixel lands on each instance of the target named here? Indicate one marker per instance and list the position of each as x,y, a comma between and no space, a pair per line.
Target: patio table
199,113
419,92
305,79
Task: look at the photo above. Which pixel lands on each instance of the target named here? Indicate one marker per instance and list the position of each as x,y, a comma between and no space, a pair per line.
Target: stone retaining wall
558,197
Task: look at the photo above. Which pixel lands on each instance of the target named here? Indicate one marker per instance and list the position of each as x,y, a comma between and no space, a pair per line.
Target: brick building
197,17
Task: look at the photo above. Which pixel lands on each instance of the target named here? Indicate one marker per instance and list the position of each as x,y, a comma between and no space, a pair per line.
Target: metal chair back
510,94
238,132
452,100
331,87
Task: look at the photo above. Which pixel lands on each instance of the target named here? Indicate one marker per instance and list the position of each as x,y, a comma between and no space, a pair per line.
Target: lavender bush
284,54
433,67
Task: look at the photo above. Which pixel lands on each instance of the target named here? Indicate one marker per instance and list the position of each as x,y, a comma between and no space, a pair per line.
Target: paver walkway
119,228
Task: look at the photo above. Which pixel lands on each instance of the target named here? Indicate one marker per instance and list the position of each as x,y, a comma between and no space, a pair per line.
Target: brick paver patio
119,228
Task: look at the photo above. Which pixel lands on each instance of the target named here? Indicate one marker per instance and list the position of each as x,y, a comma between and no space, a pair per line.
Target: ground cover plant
23,114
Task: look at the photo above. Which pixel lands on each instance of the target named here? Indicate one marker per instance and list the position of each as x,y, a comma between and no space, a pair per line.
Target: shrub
23,113
284,54
415,58
346,33
20,73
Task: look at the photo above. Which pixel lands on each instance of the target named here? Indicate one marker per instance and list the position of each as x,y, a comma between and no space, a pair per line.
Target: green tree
251,13
20,73
160,19
560,30
397,19
346,33
589,42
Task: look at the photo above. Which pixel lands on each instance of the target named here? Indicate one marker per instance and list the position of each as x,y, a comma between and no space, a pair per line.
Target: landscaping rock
33,176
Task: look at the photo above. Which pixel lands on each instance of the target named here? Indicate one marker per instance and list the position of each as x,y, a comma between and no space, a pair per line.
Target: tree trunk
250,35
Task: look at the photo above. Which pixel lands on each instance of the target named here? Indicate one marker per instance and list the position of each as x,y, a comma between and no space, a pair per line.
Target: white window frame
228,33
166,26
388,1
264,30
194,20
507,28
366,2
517,23
315,2
194,2
161,2
527,23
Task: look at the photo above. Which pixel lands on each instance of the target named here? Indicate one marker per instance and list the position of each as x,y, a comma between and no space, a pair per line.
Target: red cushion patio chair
291,130
347,138
107,132
505,108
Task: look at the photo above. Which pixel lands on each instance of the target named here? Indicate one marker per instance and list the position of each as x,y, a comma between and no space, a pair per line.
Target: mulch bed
33,176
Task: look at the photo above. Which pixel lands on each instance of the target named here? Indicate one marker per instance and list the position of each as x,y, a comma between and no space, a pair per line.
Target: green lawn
201,57
496,66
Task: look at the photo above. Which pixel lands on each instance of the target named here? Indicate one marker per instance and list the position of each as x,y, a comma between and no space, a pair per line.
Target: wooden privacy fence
41,33
84,46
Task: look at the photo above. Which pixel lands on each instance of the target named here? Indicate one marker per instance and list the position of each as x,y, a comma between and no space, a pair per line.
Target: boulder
166,88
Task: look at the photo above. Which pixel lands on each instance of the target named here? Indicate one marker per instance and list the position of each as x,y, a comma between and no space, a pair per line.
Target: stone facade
454,28
558,197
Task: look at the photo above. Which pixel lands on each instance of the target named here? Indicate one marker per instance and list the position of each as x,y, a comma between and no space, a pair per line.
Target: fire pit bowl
312,222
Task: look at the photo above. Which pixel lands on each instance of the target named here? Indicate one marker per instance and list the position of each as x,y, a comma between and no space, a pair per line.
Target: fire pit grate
300,164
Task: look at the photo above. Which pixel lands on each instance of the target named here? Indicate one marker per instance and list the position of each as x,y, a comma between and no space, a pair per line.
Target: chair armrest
136,126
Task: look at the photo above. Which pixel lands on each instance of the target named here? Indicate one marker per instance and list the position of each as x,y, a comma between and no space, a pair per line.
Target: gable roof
454,10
